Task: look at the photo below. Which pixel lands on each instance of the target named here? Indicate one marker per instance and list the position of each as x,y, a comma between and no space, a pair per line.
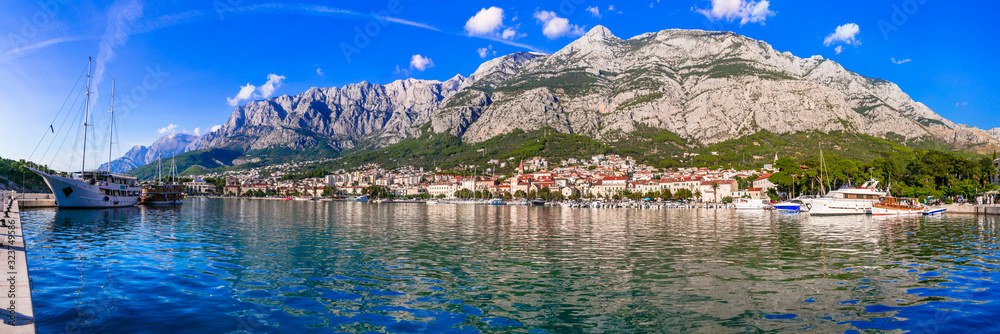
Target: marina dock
970,209
18,314
29,200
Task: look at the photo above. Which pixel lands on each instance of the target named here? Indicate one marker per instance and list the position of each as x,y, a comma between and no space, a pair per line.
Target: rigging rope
58,113
61,127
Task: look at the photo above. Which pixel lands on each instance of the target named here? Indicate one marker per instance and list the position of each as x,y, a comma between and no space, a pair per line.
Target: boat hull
787,207
833,207
750,204
877,211
78,194
928,212
162,202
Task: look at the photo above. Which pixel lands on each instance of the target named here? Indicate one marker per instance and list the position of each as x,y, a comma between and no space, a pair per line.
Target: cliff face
705,86
338,117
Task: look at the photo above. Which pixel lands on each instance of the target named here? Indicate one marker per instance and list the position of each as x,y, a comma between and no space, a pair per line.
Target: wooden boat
897,206
163,194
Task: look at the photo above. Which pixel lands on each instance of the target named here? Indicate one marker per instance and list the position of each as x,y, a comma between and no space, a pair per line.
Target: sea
264,266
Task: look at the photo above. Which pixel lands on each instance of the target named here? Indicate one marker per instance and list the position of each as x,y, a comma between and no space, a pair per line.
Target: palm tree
715,190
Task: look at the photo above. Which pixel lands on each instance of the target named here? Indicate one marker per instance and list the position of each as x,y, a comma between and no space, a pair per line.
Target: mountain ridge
705,86
166,146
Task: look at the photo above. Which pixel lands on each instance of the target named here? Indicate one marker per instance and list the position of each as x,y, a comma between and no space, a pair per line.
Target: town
599,177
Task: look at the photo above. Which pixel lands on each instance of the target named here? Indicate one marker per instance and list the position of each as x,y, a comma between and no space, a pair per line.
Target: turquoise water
223,266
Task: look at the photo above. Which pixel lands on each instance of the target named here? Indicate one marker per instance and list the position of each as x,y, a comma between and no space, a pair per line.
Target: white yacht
750,204
93,189
846,200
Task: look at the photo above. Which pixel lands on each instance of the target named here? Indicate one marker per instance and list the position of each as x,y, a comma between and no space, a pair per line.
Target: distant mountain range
167,146
705,87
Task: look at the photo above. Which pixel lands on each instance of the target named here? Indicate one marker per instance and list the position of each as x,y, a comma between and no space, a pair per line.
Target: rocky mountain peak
705,86
166,146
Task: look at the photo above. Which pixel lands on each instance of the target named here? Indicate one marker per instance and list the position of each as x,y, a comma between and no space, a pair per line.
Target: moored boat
932,211
897,206
846,200
750,204
162,194
93,189
792,205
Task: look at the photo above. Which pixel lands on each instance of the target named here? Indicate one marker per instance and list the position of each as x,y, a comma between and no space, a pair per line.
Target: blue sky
179,66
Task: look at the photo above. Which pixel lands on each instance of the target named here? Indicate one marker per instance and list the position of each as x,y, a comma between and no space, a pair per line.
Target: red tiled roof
764,176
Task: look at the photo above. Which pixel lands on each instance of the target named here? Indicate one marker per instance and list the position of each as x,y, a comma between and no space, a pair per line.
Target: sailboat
93,189
164,193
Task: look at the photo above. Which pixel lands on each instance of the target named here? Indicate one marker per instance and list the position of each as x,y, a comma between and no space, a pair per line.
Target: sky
184,66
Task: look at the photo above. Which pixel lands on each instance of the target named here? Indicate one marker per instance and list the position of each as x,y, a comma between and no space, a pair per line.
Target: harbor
237,264
18,312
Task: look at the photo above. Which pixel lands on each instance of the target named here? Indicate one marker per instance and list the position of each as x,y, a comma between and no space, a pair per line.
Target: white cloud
611,8
511,33
594,11
838,49
747,11
901,61
961,104
273,83
486,22
245,93
168,128
215,128
197,131
846,33
487,51
420,63
319,72
121,18
554,26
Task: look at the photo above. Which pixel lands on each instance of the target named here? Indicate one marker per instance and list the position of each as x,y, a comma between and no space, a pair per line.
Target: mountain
704,87
167,146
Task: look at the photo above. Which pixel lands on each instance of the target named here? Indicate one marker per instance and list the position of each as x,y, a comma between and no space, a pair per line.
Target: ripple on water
272,266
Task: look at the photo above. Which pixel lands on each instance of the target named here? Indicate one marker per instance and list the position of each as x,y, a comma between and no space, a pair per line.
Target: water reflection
298,266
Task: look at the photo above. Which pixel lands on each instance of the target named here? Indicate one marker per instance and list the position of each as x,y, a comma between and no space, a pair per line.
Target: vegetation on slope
14,175
208,158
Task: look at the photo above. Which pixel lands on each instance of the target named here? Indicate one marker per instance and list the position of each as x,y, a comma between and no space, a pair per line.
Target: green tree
329,191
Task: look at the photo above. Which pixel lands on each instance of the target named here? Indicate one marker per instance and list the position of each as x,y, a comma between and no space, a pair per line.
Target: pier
18,315
971,209
30,200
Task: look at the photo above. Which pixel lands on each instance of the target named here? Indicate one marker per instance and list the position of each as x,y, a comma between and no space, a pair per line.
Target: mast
111,130
86,116
159,167
822,190
173,170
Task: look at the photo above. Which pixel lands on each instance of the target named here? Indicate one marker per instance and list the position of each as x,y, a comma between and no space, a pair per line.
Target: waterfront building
199,186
